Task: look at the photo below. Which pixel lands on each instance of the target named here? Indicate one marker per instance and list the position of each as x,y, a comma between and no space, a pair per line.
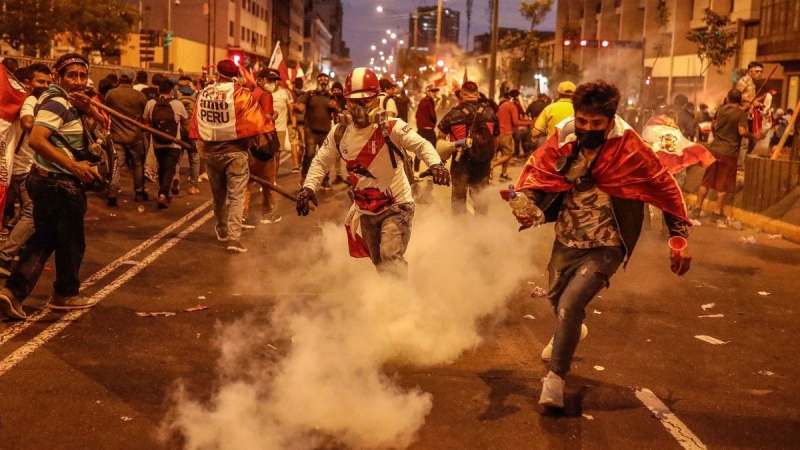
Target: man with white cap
379,222
555,112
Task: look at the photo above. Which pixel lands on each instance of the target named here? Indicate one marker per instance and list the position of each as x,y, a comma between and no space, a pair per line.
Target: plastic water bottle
520,202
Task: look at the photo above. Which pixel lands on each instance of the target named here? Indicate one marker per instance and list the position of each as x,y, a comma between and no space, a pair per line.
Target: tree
521,50
101,25
31,25
717,43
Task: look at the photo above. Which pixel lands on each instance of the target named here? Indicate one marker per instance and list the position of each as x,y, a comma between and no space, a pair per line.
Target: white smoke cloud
314,372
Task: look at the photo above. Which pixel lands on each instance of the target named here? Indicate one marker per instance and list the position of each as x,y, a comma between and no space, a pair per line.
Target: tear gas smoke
330,384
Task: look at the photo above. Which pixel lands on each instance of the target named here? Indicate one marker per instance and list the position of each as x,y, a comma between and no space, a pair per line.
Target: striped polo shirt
56,113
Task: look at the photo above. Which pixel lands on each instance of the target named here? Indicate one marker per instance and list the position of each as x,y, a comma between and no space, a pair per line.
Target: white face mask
270,86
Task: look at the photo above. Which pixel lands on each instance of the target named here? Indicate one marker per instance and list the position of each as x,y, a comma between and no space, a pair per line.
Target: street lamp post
493,58
167,27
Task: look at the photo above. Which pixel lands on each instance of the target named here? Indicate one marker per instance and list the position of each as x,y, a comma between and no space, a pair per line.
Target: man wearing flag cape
226,120
592,179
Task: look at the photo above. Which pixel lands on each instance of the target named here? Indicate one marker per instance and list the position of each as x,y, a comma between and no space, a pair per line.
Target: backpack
482,149
163,119
189,102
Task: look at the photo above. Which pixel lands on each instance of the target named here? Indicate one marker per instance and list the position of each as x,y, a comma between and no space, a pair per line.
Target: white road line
19,327
676,428
52,331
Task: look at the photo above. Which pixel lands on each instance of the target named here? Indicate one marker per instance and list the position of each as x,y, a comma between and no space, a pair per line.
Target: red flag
12,96
442,81
465,76
673,149
626,167
277,62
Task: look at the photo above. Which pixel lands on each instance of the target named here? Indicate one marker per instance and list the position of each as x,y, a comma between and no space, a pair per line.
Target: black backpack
163,119
482,149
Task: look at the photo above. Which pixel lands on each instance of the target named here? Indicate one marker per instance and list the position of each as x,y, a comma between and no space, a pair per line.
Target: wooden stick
777,153
144,127
284,193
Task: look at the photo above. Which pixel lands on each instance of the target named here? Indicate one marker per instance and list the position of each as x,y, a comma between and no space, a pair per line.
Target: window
230,28
241,36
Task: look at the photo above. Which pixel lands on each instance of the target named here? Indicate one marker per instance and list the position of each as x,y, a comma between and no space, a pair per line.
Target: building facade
423,31
317,46
648,54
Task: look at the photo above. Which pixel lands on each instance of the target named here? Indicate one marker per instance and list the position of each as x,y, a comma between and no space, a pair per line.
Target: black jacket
629,215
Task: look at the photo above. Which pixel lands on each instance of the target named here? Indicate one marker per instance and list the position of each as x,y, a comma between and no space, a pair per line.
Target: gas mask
590,139
359,115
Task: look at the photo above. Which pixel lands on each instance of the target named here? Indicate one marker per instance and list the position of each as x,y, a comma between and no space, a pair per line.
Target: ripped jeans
576,276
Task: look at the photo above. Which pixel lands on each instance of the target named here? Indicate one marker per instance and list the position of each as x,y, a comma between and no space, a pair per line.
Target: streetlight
379,9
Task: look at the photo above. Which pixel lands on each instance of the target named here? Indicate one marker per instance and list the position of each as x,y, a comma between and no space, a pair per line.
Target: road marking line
676,428
52,331
19,327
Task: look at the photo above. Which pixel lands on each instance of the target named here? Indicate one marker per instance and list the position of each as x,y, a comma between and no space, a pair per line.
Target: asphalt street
109,378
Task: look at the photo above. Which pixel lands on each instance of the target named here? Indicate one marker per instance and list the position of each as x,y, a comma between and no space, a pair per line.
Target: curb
753,220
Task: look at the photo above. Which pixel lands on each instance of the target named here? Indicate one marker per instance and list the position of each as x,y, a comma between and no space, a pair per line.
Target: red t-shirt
265,101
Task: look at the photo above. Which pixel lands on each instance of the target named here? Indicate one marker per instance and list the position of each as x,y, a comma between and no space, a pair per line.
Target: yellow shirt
553,114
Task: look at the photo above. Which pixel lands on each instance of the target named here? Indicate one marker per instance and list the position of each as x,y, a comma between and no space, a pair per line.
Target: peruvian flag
673,149
277,62
12,96
298,73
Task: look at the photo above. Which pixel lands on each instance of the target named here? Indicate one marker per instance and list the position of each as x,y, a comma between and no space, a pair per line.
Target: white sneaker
552,391
547,353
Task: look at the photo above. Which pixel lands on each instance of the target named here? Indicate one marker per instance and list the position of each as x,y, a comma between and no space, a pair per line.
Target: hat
322,74
431,88
273,75
186,90
227,68
386,84
127,74
566,87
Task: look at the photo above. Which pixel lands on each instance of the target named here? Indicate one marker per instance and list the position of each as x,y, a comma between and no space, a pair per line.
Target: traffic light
584,42
167,38
567,42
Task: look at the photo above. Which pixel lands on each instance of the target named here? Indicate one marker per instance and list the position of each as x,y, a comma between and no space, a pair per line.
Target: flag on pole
277,62
12,96
298,72
465,76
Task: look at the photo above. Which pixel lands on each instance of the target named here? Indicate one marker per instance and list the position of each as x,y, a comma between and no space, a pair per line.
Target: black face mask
590,139
38,91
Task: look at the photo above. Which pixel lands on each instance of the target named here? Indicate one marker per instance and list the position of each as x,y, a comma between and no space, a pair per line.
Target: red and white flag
12,96
298,72
278,63
672,148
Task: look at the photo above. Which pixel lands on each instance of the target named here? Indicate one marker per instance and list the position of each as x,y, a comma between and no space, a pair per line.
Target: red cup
676,244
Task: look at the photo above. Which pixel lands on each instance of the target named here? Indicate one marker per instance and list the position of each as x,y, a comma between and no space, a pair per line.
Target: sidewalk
789,231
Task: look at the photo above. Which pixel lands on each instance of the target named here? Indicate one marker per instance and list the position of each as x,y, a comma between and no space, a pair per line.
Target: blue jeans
23,230
59,205
576,276
228,174
135,157
387,235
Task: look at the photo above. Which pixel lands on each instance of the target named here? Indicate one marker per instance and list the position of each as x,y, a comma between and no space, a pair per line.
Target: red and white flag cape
226,112
12,96
277,62
673,149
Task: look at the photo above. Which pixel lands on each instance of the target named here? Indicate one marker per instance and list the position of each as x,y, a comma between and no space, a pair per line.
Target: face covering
38,91
590,139
323,85
270,86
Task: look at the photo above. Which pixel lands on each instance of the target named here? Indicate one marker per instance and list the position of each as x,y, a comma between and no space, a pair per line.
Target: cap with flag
278,63
12,96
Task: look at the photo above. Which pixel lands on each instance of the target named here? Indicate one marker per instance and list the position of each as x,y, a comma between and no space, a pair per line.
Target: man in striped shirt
56,188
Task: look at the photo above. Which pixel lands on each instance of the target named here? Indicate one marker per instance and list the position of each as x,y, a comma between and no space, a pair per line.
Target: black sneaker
222,237
163,201
10,307
235,246
176,186
72,302
504,177
141,197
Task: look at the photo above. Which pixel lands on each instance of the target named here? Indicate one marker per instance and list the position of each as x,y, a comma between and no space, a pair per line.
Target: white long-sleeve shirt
377,184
